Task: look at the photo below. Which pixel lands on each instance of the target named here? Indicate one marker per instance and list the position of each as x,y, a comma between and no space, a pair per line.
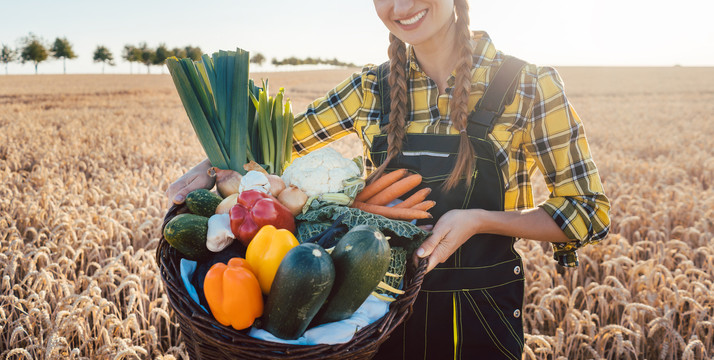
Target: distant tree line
148,56
35,50
309,61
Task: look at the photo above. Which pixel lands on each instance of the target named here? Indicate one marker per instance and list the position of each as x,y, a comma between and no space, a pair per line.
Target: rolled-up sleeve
556,140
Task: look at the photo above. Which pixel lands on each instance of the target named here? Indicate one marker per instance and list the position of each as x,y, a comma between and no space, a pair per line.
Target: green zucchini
361,259
301,285
202,202
187,234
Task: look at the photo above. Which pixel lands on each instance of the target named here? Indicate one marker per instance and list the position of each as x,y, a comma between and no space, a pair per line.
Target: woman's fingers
428,246
448,234
196,182
196,178
175,193
181,194
441,252
435,247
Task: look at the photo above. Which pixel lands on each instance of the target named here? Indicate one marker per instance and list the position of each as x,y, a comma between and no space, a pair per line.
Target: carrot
380,184
391,212
395,190
424,205
416,198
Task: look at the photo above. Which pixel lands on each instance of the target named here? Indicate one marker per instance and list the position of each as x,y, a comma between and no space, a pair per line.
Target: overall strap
499,93
385,100
497,96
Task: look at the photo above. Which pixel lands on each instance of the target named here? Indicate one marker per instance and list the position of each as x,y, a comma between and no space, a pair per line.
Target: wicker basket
205,338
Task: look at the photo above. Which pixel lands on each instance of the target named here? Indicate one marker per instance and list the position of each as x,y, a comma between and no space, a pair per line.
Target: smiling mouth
413,19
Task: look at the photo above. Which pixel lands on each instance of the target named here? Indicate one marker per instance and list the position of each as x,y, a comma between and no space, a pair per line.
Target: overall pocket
491,321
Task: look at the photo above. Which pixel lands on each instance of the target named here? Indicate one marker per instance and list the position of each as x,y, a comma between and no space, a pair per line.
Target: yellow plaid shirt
539,129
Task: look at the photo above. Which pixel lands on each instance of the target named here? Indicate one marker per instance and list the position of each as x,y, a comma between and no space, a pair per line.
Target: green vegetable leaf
402,234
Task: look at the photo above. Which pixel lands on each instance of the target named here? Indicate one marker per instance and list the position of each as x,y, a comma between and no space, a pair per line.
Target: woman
440,108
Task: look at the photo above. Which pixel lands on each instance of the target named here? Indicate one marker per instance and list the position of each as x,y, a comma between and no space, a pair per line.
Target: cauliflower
321,171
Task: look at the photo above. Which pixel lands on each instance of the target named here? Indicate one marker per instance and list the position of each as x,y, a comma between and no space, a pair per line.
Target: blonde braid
396,129
464,166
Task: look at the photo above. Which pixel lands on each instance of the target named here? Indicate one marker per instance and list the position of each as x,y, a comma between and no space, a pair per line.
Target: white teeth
413,19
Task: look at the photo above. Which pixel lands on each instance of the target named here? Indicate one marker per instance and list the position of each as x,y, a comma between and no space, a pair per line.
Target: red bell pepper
256,209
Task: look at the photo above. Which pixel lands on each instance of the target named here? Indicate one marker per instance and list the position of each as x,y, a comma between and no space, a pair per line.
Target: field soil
85,161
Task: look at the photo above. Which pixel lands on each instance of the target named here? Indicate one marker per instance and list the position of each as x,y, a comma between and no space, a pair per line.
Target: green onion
289,121
278,125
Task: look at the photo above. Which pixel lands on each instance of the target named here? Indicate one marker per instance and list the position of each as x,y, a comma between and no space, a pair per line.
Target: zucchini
202,202
301,285
361,259
187,234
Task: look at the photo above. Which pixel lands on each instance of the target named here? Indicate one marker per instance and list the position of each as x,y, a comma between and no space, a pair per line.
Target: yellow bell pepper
233,294
266,251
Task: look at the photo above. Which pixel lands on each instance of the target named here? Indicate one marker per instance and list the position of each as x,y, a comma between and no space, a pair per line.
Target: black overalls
469,306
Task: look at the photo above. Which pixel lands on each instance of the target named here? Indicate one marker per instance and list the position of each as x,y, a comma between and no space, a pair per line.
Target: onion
276,185
225,206
293,199
227,181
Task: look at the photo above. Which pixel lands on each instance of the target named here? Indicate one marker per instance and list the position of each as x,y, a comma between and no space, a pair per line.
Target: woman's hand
449,233
457,226
196,178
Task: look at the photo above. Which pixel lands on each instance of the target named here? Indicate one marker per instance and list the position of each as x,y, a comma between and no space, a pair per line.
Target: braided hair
396,129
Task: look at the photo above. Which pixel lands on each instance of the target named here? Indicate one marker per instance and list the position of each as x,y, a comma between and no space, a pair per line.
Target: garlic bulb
219,234
255,180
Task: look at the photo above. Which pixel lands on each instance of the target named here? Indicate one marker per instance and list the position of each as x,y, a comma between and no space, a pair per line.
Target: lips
414,19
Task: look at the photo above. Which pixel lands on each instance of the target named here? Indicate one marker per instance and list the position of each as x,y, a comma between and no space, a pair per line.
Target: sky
544,32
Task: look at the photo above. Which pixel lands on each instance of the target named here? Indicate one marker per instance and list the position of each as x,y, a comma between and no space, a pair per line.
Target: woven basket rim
205,338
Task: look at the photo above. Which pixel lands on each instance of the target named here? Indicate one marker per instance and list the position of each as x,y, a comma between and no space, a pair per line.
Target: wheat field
85,161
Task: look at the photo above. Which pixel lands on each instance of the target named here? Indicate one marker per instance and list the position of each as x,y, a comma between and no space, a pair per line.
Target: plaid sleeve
556,140
330,117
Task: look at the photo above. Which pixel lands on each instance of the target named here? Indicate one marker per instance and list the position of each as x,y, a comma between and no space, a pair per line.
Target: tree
258,58
103,55
62,49
147,56
7,55
160,55
33,50
179,53
194,53
131,54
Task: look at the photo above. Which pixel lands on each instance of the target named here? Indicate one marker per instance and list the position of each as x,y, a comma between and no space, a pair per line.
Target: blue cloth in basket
187,269
337,332
332,333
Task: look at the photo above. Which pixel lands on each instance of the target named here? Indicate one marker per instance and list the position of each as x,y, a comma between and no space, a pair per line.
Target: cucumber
301,285
187,234
361,259
202,202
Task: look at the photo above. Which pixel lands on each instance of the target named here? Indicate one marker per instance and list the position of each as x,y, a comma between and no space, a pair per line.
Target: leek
234,120
214,92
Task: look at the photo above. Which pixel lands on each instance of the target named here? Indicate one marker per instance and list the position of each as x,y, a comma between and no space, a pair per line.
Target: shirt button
517,270
517,313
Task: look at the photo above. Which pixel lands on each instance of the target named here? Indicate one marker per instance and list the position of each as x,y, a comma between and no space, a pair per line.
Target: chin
411,39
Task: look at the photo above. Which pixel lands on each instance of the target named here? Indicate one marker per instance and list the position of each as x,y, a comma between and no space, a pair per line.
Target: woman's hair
396,129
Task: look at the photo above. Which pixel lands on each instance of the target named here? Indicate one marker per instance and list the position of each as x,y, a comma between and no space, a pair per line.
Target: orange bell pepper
233,293
266,251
